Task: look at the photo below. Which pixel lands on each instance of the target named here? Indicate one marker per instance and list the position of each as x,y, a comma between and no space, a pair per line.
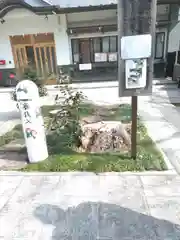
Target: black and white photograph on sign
136,71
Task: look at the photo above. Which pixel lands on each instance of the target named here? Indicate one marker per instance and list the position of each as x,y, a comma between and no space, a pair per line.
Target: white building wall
174,38
174,31
91,15
63,49
92,18
20,21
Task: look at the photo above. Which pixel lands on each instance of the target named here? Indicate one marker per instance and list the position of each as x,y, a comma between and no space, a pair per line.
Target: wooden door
20,57
45,59
85,51
37,51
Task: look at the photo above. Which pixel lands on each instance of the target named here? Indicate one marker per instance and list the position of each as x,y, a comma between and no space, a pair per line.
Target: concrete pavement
109,206
9,116
162,123
85,206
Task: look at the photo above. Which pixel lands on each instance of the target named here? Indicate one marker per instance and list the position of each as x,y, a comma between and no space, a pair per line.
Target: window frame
108,37
116,37
155,55
72,47
92,52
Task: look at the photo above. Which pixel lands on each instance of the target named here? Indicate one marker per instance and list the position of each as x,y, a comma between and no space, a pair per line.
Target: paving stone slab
161,185
15,145
117,222
8,186
89,185
166,209
97,208
12,160
125,191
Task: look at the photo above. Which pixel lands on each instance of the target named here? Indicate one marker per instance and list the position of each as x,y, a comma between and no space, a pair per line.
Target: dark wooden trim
86,8
45,10
91,49
8,5
156,45
81,40
92,29
91,52
72,49
168,31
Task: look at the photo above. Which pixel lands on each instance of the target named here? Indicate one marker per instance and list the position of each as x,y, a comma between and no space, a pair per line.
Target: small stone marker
32,120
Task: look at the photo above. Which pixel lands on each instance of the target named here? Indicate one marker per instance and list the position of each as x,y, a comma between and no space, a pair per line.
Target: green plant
13,96
30,73
67,119
42,91
63,78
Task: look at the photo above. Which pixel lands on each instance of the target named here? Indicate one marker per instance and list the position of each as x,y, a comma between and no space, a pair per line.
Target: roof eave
7,7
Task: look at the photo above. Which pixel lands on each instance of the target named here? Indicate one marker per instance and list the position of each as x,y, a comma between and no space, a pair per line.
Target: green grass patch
85,109
63,158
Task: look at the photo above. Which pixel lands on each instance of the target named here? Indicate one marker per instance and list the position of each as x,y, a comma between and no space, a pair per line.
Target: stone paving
162,123
85,206
9,116
13,155
12,160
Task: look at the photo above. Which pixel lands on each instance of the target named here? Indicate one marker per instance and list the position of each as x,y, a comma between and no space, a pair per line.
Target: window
113,44
97,45
102,49
75,50
105,44
159,45
30,55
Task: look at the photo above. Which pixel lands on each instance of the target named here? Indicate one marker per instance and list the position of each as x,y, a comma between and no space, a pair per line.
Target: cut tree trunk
105,136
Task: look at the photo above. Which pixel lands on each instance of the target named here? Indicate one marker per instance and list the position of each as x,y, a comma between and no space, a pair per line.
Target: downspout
167,39
168,30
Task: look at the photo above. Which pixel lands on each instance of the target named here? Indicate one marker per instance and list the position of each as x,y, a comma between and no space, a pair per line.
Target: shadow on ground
91,221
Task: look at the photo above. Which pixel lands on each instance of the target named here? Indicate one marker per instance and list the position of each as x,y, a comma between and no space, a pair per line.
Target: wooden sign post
32,120
136,41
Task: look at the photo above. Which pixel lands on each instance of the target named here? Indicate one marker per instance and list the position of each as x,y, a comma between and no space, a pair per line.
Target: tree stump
105,136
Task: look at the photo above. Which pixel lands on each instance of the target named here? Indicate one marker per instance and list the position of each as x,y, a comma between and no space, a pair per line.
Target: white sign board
112,57
100,57
136,73
138,46
32,121
85,66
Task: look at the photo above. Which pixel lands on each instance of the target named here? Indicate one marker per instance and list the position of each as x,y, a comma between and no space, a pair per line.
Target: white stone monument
32,121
